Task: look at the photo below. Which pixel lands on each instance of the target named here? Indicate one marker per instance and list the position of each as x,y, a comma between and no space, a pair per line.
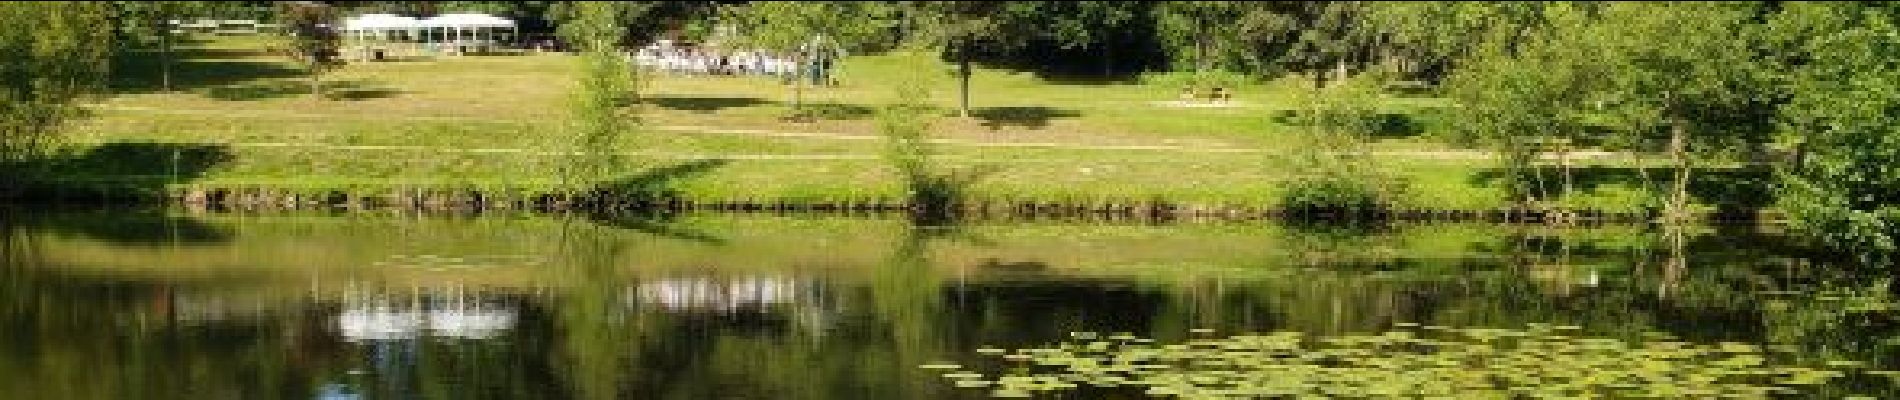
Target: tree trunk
963,80
798,88
1679,153
1339,71
316,82
164,57
1563,163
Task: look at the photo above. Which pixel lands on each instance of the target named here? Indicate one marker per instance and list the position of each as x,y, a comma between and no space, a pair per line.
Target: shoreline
471,199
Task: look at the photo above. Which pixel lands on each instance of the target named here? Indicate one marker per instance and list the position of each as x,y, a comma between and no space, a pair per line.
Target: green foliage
962,28
606,82
642,21
800,27
786,26
310,39
1844,189
1332,171
55,55
934,191
1432,36
146,25
1680,78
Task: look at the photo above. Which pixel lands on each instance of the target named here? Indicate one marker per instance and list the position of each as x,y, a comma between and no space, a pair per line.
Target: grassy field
242,117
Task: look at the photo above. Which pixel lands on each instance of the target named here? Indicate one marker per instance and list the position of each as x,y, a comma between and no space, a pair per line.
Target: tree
1332,169
962,28
905,124
642,21
1432,36
1843,189
1682,74
1688,71
152,20
1213,34
1083,24
800,27
56,54
605,86
310,40
1515,97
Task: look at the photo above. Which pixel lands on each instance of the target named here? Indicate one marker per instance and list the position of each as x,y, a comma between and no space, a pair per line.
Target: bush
1333,195
1333,174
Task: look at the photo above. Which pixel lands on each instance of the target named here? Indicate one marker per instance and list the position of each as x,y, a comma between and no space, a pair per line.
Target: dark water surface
175,305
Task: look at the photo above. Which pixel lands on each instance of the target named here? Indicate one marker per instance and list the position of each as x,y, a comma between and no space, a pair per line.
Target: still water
176,305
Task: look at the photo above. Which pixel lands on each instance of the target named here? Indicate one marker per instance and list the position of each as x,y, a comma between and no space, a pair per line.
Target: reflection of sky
809,303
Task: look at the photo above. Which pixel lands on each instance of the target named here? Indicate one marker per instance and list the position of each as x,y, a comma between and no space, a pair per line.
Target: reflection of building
450,313
713,295
807,304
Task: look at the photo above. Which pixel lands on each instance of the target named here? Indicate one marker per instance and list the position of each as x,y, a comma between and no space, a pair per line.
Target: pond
170,304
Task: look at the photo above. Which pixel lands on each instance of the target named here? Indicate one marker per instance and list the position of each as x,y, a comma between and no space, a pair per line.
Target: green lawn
489,122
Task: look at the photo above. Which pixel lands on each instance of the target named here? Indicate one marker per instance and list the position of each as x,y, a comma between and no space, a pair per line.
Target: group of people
683,60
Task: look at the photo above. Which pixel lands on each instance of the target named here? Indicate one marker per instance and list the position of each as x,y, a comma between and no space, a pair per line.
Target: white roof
468,20
379,21
393,22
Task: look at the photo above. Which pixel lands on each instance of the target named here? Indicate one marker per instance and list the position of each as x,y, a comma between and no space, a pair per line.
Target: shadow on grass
808,111
937,197
659,183
1736,190
140,73
1386,125
705,104
653,187
112,170
341,90
1035,117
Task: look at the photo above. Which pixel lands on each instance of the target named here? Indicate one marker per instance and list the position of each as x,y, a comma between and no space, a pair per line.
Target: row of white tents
387,35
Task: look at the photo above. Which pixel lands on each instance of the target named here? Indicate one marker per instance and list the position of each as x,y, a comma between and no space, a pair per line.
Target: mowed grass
498,122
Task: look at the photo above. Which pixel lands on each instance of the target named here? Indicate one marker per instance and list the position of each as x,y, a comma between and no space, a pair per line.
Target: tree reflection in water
798,307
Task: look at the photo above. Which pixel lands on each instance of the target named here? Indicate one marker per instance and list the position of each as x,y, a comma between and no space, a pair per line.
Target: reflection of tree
82,337
907,291
597,337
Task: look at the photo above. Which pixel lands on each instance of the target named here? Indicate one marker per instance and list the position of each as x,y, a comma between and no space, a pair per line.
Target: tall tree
1513,98
644,21
963,28
1843,189
1430,36
605,86
310,40
1098,24
1689,71
55,55
152,20
1682,75
1214,34
802,27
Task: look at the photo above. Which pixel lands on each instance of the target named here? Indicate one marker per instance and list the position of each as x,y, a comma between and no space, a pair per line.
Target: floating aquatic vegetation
1541,361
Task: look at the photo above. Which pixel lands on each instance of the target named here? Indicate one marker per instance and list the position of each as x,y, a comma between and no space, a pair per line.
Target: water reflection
401,306
450,313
